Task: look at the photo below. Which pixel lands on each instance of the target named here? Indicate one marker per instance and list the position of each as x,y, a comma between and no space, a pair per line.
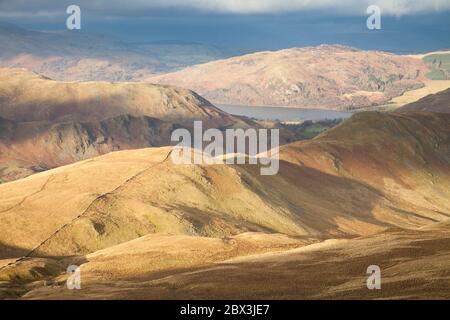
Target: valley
134,226
89,185
331,77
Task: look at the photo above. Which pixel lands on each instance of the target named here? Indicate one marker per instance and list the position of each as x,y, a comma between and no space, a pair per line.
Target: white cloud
119,7
391,7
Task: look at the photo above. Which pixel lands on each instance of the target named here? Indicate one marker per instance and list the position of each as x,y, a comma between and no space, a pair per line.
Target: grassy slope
344,183
414,265
26,96
438,102
438,78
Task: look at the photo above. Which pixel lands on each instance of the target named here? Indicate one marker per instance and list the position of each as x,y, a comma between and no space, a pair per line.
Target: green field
310,129
439,65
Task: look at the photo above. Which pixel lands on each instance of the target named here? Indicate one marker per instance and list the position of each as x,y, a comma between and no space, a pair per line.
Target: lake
284,114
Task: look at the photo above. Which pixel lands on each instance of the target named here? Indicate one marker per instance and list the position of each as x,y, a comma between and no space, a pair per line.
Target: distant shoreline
284,113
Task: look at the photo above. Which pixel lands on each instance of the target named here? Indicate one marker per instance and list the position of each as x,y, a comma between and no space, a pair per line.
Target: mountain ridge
438,102
338,202
26,96
81,56
327,76
319,192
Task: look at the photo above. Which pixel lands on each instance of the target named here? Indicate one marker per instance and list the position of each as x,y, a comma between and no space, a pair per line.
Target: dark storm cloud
408,25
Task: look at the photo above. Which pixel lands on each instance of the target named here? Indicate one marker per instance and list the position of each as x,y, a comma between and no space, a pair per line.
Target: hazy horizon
406,27
149,150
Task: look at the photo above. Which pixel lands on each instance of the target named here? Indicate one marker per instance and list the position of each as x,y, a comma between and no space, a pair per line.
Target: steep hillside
29,147
332,77
404,154
46,123
438,102
26,96
385,177
344,183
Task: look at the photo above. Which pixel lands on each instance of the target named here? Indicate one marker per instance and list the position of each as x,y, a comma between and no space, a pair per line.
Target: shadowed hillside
414,265
345,183
29,147
26,96
45,124
335,185
439,102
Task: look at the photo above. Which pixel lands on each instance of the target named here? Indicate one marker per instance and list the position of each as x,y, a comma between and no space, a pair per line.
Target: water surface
284,114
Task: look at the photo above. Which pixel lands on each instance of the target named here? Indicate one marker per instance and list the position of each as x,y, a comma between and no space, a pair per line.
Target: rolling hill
26,96
328,76
45,123
30,147
372,178
414,265
81,56
438,102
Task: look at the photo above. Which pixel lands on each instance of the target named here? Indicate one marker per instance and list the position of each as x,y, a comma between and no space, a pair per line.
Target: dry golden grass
414,265
431,87
25,96
142,227
319,77
162,254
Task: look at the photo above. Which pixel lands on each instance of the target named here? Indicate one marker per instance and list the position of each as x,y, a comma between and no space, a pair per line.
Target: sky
406,25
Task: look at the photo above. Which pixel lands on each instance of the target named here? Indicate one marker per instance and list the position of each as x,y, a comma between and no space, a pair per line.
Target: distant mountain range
73,55
328,77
